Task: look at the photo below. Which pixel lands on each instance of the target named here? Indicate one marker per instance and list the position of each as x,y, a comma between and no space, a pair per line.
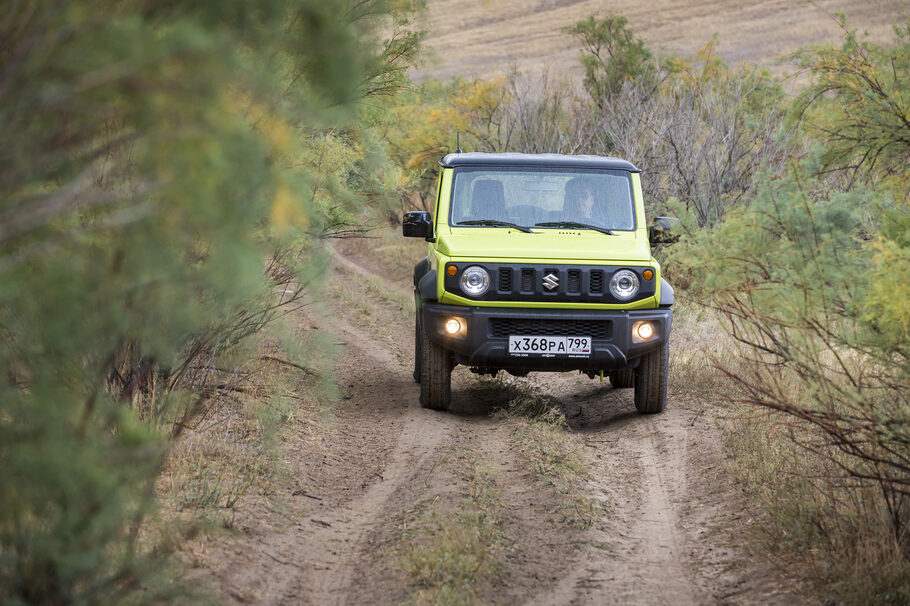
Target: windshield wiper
496,223
576,225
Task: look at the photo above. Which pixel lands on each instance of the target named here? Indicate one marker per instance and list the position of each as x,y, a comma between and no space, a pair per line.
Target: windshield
484,195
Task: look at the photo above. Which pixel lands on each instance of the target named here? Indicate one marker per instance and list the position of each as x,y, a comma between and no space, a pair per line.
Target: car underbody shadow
588,405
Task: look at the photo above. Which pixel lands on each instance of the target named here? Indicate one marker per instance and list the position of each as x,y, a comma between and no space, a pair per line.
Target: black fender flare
426,288
666,294
420,270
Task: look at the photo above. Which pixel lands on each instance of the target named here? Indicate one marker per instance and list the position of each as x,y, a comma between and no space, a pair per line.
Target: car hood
568,245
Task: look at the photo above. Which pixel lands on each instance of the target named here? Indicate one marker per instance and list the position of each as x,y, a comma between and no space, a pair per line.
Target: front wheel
651,381
418,352
435,375
620,379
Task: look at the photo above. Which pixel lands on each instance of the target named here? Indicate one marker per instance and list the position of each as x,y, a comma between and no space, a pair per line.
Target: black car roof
551,160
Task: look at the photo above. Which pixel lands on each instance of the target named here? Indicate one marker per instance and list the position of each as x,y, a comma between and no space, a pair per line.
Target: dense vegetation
167,168
170,169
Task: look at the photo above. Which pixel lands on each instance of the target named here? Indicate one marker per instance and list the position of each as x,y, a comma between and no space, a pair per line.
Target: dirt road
660,522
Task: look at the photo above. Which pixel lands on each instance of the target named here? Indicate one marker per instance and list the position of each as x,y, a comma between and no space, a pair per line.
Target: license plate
549,347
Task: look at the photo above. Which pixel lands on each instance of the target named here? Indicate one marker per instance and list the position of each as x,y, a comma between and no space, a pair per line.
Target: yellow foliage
287,209
277,132
889,298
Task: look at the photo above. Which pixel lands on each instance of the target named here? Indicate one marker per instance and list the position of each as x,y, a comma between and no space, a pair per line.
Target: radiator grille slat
574,285
597,282
527,280
505,279
596,329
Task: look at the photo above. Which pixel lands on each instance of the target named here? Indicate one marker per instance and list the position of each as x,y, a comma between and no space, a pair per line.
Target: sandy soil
672,531
485,38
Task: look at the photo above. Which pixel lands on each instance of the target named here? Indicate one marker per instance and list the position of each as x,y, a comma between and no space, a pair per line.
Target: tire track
340,538
636,462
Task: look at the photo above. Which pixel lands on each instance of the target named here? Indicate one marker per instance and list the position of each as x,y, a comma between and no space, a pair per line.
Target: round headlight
624,284
475,281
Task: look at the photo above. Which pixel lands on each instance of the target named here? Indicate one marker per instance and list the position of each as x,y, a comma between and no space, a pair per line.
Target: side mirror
664,230
417,224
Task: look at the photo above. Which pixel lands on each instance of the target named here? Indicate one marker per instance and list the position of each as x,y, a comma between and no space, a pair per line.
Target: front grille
596,329
551,282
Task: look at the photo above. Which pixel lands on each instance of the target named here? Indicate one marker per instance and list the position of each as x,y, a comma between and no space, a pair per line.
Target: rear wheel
651,381
435,375
620,379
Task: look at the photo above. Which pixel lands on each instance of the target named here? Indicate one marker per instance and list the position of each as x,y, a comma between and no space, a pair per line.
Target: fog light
452,326
645,331
642,331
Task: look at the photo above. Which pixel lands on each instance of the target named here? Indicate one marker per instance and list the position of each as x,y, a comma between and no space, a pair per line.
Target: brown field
485,37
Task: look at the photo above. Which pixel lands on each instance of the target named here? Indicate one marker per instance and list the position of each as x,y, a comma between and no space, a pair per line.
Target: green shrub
163,168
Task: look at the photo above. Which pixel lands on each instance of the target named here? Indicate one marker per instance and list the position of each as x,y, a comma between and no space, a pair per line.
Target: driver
578,204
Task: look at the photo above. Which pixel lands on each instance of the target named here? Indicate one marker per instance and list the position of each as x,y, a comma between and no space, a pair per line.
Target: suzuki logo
550,281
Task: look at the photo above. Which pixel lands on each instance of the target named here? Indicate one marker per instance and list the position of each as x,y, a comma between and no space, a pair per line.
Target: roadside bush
795,276
858,105
160,178
808,272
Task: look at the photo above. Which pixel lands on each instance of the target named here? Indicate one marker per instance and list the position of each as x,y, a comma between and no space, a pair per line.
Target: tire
621,379
435,375
651,381
418,352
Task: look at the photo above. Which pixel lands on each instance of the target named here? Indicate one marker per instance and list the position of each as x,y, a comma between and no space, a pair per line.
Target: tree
859,104
612,54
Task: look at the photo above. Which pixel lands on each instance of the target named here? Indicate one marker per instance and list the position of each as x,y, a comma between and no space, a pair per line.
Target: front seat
488,200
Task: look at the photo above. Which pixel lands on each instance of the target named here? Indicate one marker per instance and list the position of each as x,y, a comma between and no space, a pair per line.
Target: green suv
539,262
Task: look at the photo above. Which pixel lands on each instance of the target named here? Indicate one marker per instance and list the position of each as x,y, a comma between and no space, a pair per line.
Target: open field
484,38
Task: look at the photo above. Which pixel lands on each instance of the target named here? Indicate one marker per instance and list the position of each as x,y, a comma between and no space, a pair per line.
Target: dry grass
698,343
541,437
484,38
229,453
448,557
833,530
398,254
386,250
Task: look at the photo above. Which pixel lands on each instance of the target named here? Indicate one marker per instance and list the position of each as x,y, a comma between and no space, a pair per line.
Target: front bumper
484,340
